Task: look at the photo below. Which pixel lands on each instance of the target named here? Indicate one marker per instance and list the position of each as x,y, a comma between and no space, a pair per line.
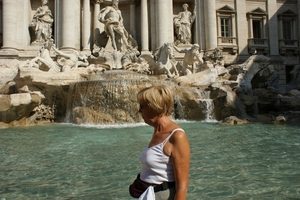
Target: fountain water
209,115
109,100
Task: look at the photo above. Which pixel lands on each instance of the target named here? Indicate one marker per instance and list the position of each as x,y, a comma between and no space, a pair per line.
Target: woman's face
147,113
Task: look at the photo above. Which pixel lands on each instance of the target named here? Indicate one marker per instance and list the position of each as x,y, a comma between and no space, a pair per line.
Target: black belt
163,186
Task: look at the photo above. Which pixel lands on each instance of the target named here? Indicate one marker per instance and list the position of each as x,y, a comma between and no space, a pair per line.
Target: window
287,30
258,37
257,28
288,34
287,22
257,20
225,27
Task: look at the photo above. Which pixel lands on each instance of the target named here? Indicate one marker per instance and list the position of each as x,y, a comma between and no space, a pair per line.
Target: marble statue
43,60
112,18
162,62
42,23
183,22
69,61
131,62
191,55
130,57
64,61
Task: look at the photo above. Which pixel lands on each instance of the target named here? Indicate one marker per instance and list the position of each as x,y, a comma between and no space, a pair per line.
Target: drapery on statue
190,57
112,18
42,23
183,22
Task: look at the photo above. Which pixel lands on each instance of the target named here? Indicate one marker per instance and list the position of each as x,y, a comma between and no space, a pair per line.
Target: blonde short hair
159,98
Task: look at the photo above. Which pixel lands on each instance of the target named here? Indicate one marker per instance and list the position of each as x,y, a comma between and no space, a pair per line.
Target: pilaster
242,29
71,24
273,27
97,26
86,26
210,24
132,19
144,27
164,22
10,25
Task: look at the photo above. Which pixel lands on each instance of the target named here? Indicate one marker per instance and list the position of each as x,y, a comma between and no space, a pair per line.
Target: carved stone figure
70,61
190,57
130,57
112,18
65,61
131,62
183,22
42,23
43,61
162,62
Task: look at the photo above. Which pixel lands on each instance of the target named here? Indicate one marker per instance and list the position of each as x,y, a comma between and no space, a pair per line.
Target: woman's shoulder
177,134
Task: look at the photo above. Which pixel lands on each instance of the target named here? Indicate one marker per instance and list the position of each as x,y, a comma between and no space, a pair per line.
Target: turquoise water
63,161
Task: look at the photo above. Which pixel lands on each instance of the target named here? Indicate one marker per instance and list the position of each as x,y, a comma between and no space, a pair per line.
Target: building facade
240,28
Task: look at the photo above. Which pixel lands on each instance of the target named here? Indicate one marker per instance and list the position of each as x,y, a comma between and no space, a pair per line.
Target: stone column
24,36
98,27
273,36
242,29
199,31
71,24
164,22
58,23
210,24
132,19
86,26
144,27
10,24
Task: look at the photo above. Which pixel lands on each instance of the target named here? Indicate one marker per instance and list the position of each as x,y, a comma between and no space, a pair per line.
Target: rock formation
98,93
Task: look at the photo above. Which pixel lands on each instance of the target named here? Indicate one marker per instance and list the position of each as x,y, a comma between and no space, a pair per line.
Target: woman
165,162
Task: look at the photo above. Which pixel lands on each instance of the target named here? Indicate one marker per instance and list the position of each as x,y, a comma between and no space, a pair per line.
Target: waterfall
109,100
208,103
209,114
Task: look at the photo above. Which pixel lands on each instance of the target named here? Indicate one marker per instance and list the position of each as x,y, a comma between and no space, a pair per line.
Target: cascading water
209,115
110,98
209,105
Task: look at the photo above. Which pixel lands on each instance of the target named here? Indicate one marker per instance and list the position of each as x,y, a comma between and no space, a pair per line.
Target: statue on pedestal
112,18
183,22
42,24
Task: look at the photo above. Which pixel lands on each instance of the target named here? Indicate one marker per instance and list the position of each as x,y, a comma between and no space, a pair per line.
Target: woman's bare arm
180,153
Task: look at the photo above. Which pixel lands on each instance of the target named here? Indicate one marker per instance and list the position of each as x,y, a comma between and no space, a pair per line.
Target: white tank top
157,167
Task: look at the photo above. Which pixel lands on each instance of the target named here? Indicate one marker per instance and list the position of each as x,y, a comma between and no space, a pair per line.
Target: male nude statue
112,18
191,55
